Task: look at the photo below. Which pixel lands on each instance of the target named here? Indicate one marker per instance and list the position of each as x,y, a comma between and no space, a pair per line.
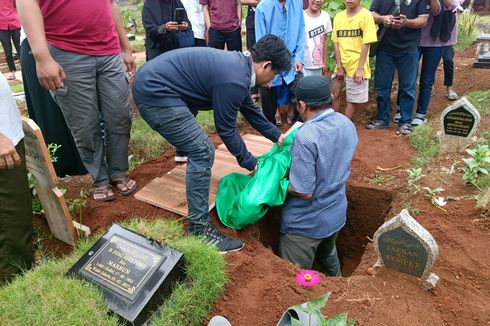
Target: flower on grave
307,278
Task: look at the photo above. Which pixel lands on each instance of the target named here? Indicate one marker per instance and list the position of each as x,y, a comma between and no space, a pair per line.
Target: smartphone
179,15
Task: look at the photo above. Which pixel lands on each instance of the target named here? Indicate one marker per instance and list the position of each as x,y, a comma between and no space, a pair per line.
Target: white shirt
315,29
10,123
196,17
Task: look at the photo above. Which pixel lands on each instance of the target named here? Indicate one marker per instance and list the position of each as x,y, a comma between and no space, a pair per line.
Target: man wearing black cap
315,209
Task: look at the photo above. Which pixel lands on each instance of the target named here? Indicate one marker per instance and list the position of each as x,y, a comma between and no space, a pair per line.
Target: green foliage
426,146
481,101
46,296
314,307
433,194
17,88
467,33
476,166
414,175
131,16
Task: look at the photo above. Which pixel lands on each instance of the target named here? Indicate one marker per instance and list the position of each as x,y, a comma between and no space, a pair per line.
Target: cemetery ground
260,286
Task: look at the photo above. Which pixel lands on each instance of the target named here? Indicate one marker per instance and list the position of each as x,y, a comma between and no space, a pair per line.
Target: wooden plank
168,191
39,164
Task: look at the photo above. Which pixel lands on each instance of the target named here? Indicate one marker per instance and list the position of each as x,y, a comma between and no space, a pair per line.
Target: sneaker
181,158
405,129
222,242
377,124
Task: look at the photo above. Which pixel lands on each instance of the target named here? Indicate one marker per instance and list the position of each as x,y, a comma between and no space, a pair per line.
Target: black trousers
6,38
250,24
15,219
447,59
269,100
218,39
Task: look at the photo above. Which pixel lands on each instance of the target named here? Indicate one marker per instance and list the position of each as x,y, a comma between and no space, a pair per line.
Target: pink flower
307,278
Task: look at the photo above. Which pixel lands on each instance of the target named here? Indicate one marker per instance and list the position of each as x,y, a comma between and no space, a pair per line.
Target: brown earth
262,285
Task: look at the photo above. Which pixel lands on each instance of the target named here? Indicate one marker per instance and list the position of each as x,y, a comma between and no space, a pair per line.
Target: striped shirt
320,165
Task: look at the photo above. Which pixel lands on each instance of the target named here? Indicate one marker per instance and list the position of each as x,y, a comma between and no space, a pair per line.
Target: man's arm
258,121
338,60
260,23
359,73
299,57
49,72
252,3
127,52
297,194
415,23
239,11
207,21
325,53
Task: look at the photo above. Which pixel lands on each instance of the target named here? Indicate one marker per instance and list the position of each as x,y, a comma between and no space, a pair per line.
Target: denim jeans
179,127
447,59
431,56
406,64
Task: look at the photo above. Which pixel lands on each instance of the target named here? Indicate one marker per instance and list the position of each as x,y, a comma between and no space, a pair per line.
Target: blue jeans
179,127
431,56
406,64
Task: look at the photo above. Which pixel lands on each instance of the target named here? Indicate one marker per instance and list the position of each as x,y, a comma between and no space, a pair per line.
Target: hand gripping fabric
242,200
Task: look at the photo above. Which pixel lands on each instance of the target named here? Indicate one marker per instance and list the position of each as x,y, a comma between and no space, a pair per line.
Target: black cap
314,90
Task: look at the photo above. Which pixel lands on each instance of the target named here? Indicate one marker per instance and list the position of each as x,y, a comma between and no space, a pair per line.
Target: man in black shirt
400,22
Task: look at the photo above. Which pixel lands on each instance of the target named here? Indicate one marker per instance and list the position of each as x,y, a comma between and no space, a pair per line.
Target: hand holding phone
179,15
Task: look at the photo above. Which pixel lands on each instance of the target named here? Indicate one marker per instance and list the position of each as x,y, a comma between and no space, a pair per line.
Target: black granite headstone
134,273
458,122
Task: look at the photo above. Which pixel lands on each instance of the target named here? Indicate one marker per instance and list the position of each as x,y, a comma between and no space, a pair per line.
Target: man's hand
399,21
50,74
358,76
298,66
171,26
9,158
387,20
184,26
280,140
340,73
129,62
252,173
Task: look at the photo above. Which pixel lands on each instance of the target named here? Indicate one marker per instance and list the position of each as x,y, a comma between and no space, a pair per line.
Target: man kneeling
170,87
315,209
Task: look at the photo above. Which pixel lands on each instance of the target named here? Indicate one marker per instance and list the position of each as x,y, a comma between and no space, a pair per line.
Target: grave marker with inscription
133,272
404,245
459,123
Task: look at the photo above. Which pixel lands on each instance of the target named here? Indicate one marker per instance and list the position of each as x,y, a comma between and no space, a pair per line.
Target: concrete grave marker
459,123
39,164
134,273
402,244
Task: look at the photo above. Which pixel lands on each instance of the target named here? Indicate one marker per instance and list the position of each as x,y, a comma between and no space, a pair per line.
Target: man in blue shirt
168,88
283,18
315,209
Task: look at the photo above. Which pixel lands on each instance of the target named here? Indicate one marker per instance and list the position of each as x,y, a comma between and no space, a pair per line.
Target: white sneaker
180,159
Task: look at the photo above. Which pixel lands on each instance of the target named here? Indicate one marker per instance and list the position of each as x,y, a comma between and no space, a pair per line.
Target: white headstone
459,123
402,244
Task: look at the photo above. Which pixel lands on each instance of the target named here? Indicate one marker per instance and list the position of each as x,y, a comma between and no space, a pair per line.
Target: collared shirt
252,68
287,23
320,165
10,124
8,17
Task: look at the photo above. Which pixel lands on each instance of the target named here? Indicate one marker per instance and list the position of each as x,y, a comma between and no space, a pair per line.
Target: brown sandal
120,184
103,193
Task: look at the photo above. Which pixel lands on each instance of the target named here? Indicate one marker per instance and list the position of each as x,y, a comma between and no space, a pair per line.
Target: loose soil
262,286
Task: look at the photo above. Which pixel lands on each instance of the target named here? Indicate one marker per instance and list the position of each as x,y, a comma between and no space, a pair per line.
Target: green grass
45,296
17,88
465,41
481,101
425,144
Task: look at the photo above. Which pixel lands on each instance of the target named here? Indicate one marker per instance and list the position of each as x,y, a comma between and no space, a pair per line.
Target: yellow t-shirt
351,33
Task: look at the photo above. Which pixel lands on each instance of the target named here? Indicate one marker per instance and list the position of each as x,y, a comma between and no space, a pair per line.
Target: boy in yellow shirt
353,30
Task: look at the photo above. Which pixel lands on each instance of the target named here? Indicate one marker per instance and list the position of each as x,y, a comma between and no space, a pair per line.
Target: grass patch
17,88
465,41
145,144
45,296
481,101
426,145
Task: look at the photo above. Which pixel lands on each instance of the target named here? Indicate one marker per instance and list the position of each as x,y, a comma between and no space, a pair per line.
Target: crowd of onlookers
77,65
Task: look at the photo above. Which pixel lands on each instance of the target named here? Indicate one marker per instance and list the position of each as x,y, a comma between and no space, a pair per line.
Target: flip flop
452,96
104,193
119,183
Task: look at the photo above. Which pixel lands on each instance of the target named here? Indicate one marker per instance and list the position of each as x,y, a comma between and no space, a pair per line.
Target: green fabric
242,200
